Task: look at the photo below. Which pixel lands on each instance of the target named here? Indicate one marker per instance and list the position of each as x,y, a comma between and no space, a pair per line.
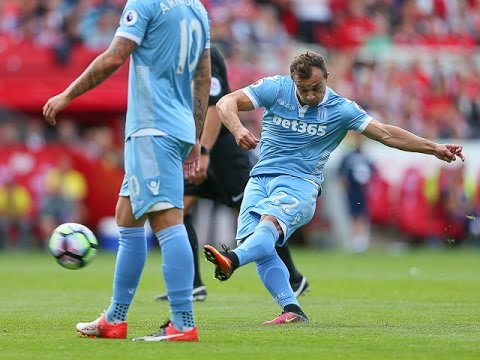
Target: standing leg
199,289
131,256
298,282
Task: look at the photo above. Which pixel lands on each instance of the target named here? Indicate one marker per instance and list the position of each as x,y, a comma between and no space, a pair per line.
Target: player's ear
326,75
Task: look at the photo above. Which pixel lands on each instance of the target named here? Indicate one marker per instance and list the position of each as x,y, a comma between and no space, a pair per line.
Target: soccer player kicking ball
303,122
223,174
168,43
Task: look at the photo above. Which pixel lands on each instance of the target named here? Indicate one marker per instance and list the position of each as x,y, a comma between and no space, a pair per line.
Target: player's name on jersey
171,4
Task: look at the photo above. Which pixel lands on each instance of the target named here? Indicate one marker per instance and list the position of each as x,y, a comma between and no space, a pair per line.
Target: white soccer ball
73,245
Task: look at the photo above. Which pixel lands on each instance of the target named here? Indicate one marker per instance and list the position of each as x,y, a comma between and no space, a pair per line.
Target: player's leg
131,256
132,249
199,290
164,206
298,282
262,236
259,247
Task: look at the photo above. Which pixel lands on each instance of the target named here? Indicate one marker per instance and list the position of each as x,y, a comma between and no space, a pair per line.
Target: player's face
312,90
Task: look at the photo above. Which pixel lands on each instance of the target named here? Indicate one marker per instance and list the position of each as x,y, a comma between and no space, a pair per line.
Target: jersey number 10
189,32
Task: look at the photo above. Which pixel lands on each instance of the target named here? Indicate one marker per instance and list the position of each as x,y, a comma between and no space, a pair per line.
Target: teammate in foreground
303,122
223,174
169,48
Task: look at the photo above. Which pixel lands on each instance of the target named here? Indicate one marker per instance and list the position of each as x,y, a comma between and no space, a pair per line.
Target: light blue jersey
296,143
298,140
171,37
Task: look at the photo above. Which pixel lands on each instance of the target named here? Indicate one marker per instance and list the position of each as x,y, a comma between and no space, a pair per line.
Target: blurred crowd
412,63
101,142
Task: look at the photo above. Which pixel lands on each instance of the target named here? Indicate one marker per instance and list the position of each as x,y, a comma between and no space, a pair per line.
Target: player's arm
210,132
97,72
401,139
228,108
201,91
211,128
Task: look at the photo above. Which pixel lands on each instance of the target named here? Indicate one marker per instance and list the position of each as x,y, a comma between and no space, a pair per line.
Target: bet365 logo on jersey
300,126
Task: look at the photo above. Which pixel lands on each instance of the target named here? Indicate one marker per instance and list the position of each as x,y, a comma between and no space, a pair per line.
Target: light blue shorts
154,172
290,199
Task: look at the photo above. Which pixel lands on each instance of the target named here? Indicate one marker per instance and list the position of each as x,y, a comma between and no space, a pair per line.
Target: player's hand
201,174
191,163
245,139
53,106
449,152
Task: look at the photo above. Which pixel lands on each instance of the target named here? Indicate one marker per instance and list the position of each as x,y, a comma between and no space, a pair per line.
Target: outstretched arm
401,139
228,108
97,72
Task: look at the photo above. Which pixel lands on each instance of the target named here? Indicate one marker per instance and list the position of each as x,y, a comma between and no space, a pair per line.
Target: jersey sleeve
134,21
219,85
264,92
357,119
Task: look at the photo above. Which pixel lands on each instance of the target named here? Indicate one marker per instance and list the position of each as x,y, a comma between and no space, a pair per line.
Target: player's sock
178,274
284,253
116,312
258,245
295,309
192,237
131,255
274,275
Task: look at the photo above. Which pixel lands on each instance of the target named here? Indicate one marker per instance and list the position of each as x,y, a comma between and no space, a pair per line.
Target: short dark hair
302,64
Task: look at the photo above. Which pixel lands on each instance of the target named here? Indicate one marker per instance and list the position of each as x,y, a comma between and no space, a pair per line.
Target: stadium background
412,63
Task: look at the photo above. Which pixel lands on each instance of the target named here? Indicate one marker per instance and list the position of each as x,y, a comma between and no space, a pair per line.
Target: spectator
356,171
65,179
457,200
15,214
55,209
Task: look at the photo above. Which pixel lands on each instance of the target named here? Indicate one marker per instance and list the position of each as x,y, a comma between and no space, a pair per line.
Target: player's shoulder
335,99
273,81
347,107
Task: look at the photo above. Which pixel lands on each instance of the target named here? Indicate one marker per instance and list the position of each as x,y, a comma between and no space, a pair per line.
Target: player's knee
275,222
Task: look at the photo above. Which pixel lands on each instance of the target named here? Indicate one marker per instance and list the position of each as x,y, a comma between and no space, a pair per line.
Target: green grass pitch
422,304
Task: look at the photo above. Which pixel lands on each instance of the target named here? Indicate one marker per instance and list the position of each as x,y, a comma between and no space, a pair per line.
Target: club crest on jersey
300,126
130,17
322,115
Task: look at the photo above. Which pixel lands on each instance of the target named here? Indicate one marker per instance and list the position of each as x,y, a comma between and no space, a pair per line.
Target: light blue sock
131,256
178,274
275,276
258,245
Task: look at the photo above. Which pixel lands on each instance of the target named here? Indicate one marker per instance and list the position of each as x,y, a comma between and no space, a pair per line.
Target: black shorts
357,203
228,173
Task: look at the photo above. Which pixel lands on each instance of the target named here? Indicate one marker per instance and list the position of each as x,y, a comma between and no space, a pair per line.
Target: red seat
378,200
